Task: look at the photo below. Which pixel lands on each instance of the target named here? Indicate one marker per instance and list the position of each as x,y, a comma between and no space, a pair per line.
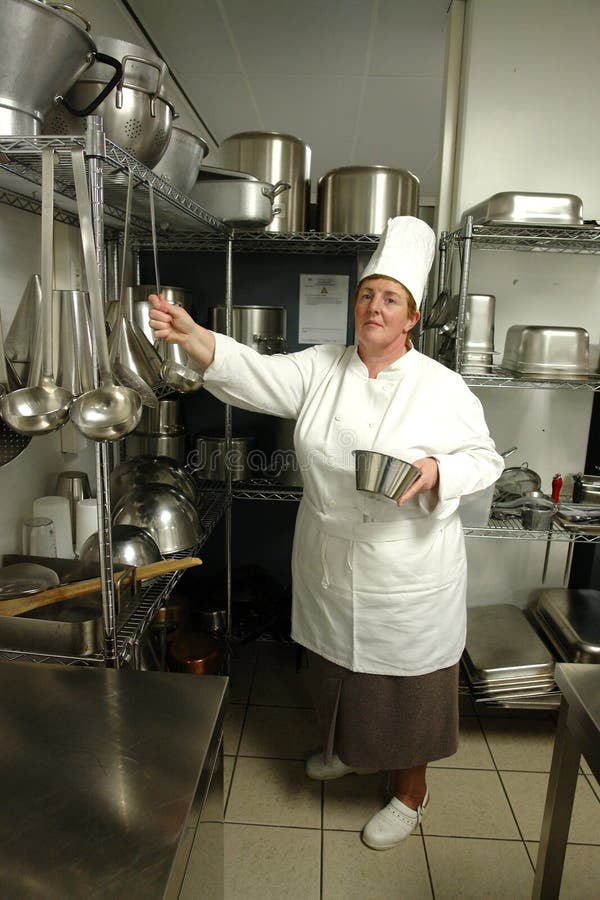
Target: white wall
528,123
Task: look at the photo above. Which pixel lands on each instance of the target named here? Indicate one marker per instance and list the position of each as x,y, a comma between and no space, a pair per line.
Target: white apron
376,588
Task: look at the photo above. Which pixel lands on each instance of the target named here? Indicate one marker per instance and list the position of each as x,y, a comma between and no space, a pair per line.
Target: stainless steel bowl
146,470
167,514
131,546
378,473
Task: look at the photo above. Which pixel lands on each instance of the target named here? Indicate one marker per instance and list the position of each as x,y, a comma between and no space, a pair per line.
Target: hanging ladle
110,411
130,362
174,371
44,407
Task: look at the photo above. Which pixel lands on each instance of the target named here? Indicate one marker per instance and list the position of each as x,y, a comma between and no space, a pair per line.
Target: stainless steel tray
69,628
546,351
572,616
502,644
528,208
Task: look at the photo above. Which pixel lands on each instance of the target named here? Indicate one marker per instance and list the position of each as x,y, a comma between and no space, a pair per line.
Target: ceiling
360,81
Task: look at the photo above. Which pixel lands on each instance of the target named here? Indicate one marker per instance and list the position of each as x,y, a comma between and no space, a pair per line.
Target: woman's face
382,320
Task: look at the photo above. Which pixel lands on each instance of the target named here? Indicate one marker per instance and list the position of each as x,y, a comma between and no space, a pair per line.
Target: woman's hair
410,300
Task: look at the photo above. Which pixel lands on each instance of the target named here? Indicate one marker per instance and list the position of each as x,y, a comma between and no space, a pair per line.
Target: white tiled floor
287,837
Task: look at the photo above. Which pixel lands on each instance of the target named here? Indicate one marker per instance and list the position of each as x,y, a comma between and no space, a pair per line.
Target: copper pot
194,652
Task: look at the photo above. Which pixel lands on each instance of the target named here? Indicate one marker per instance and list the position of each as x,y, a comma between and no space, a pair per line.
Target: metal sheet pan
70,628
501,643
528,208
572,616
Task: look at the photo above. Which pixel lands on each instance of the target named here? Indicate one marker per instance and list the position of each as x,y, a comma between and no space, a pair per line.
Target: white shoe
317,768
392,824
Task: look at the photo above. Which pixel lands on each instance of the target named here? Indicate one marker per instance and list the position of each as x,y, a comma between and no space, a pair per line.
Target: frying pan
92,586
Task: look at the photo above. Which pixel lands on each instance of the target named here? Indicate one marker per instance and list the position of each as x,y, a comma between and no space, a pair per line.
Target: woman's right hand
173,324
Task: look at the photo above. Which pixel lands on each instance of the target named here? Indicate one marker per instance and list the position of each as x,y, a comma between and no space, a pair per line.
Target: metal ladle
175,374
129,362
44,407
110,411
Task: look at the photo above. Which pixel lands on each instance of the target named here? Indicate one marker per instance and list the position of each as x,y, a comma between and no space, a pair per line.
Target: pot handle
103,58
159,83
72,12
272,191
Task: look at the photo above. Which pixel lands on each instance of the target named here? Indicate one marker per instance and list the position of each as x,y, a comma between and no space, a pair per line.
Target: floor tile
472,753
277,653
581,873
527,794
246,652
281,732
353,872
468,804
521,745
281,686
228,767
264,863
274,792
232,727
594,785
474,869
351,801
240,681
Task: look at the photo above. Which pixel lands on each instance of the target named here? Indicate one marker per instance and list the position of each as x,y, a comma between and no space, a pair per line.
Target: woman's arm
173,324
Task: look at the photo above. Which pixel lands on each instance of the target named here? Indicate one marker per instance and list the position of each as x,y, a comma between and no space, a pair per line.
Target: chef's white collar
400,365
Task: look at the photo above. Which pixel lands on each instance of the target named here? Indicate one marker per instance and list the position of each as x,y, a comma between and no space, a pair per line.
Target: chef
379,588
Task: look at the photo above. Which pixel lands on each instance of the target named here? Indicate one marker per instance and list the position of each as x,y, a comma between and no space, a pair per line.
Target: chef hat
405,252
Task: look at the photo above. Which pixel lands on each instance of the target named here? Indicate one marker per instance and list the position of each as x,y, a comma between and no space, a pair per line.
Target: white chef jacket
376,588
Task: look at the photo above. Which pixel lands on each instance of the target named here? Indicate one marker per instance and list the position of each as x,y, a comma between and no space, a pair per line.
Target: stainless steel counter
578,732
104,775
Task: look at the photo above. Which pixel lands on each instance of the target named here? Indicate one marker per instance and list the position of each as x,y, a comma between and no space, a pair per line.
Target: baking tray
69,628
572,617
528,208
502,644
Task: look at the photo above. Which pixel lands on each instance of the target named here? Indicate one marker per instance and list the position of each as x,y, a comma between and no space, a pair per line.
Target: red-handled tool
557,484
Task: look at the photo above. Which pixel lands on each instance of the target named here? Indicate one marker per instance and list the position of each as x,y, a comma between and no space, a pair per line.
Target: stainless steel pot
209,458
241,204
360,199
181,161
274,157
137,300
170,446
165,418
261,327
44,48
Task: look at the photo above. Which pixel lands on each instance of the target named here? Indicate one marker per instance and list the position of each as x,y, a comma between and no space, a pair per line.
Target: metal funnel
20,342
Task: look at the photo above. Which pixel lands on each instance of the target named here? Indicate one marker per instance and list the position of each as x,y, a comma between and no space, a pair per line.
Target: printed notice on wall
323,309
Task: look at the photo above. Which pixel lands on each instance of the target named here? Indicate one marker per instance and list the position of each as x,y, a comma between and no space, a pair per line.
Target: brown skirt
385,721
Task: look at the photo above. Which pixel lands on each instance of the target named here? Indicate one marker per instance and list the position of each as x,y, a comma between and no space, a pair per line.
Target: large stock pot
360,199
44,48
273,158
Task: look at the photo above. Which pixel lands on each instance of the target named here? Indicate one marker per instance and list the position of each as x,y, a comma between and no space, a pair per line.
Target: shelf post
462,293
228,432
95,150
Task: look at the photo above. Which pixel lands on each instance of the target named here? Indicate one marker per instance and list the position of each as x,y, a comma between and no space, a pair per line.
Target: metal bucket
261,327
274,157
360,199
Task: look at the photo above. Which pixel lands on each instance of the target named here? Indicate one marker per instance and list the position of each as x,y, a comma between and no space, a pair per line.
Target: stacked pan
506,663
569,619
161,432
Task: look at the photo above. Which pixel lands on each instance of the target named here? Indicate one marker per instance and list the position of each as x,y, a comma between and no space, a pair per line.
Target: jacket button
371,424
338,418
332,503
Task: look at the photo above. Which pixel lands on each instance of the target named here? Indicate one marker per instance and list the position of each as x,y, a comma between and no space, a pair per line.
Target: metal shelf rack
499,378
273,242
108,166
132,623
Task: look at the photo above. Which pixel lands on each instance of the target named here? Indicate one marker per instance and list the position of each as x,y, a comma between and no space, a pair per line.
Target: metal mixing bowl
379,473
144,470
167,514
131,546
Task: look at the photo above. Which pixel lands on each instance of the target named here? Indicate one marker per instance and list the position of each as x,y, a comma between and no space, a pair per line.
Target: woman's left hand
428,480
